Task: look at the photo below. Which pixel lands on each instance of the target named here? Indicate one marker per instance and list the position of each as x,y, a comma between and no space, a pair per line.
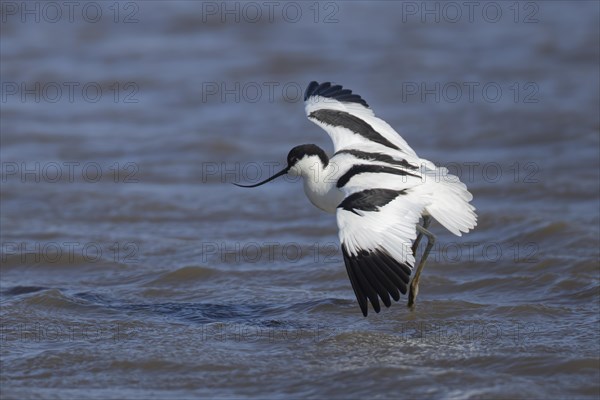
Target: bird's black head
299,152
297,157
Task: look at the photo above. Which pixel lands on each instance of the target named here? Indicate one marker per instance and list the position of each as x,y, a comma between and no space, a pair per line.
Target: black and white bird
380,191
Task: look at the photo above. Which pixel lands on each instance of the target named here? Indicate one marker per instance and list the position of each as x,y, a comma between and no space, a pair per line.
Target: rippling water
132,269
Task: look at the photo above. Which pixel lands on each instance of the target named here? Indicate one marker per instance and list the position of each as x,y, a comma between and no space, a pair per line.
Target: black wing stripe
369,199
322,87
403,266
401,285
393,277
374,281
310,89
363,155
347,97
399,269
366,285
326,90
375,274
358,169
333,89
382,277
394,266
355,124
342,93
360,296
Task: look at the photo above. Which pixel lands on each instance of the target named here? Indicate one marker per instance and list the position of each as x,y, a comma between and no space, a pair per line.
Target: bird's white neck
319,183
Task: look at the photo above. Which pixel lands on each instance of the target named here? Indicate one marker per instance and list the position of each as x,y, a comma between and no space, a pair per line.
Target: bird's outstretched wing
348,120
376,231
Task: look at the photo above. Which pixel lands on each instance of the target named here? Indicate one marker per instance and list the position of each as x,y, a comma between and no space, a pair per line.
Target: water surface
131,268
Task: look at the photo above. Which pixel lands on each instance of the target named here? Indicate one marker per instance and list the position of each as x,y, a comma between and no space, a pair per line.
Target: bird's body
379,189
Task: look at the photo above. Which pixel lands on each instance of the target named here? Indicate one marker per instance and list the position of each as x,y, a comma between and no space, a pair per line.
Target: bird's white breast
323,193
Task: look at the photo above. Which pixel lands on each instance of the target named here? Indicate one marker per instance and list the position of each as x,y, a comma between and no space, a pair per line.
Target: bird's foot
413,290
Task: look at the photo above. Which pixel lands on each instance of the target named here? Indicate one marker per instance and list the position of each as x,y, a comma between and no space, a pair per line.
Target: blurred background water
131,268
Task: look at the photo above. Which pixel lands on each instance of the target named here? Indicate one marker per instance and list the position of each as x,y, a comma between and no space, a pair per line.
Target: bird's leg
426,222
414,284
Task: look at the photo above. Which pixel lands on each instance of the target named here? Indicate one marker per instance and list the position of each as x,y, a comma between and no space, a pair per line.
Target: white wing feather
443,196
392,228
342,137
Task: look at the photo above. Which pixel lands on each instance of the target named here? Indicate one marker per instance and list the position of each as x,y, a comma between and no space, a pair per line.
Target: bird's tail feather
450,202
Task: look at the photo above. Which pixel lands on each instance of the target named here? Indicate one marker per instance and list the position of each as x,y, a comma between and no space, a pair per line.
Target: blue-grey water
132,268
